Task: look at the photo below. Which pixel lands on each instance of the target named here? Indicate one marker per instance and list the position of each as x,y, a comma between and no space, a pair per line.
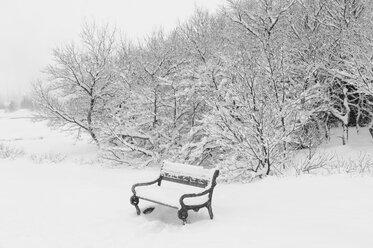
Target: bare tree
79,83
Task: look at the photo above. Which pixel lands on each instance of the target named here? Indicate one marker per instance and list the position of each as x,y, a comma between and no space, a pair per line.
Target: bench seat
169,194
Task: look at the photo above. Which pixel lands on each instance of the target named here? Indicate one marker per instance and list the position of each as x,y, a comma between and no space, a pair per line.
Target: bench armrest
145,184
208,191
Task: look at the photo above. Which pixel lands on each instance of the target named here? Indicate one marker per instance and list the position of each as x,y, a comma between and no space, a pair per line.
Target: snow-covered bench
180,186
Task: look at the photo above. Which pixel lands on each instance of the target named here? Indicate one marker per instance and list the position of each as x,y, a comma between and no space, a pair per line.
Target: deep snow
80,203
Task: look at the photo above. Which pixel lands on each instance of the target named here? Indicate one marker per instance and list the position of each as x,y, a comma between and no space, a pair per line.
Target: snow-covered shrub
9,152
361,164
327,163
235,169
48,158
307,163
120,155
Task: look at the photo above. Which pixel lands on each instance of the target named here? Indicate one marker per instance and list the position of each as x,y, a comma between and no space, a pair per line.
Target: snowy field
57,195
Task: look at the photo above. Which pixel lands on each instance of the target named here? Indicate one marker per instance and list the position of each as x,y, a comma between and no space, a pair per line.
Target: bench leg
183,215
209,208
135,201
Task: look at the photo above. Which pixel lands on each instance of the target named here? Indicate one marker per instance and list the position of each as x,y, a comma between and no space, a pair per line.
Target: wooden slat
186,174
201,184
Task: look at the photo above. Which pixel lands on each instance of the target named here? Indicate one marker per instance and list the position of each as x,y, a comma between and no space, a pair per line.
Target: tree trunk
175,108
371,131
89,122
284,143
358,116
155,107
327,128
195,106
268,163
370,127
343,117
345,134
94,137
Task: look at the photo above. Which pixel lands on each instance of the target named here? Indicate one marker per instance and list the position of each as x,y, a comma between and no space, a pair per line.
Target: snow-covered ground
36,139
76,202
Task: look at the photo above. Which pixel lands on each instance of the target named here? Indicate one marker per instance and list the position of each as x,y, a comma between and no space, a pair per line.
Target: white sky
29,29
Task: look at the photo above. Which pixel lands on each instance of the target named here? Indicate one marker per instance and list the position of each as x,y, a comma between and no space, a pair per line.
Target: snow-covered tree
79,83
257,108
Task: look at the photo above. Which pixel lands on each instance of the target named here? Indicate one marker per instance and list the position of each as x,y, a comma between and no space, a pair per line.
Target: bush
9,152
324,163
49,158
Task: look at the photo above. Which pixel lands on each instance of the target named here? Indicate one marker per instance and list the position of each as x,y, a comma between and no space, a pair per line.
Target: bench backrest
188,174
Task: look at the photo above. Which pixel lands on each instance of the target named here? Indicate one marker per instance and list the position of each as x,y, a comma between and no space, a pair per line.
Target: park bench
179,186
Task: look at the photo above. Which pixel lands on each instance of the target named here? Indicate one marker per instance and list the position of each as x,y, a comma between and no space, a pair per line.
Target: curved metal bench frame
184,208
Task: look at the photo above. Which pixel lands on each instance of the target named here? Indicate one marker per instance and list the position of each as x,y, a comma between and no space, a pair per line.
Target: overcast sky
31,28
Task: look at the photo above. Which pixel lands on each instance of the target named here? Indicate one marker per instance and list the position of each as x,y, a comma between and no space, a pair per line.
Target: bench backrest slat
187,174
